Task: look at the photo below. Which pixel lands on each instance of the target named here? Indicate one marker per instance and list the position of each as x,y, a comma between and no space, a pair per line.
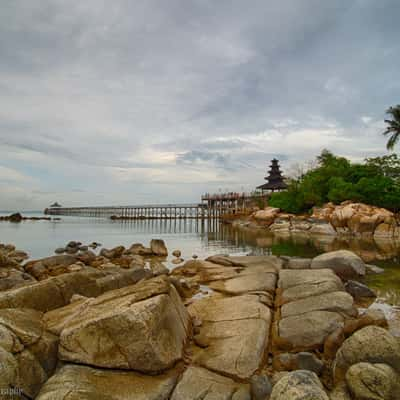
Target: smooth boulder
142,327
299,385
201,384
373,382
344,263
371,344
77,382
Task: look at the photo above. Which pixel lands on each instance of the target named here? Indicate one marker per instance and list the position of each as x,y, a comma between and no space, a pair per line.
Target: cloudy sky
153,101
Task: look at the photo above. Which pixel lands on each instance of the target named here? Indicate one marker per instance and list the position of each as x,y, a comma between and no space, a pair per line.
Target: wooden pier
156,211
212,206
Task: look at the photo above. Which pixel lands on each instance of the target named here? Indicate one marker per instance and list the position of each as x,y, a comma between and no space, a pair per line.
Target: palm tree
393,126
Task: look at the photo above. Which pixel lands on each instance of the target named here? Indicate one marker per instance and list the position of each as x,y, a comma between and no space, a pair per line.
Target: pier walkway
211,206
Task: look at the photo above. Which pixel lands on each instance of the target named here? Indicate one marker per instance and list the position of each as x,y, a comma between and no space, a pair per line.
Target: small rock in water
194,256
158,247
71,250
261,387
359,290
17,217
373,269
176,253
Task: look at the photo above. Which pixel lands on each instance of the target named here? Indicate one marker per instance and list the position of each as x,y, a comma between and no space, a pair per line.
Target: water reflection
204,238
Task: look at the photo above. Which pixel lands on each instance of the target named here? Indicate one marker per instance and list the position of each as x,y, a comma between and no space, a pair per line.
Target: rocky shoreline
346,219
121,325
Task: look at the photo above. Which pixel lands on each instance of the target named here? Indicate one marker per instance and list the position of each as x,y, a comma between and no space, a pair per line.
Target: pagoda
274,178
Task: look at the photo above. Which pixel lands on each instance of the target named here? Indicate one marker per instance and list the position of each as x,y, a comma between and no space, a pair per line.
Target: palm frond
393,126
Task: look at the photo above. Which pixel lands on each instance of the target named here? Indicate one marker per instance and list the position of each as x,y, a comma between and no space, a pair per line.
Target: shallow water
41,238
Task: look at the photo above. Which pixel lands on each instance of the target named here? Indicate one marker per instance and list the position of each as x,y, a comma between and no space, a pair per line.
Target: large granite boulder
142,327
340,302
371,344
78,382
233,335
301,284
357,218
57,291
266,216
344,263
373,382
28,354
322,228
256,279
307,331
201,384
299,385
313,306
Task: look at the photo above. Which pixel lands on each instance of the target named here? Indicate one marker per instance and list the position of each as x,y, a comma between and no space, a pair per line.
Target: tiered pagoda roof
274,179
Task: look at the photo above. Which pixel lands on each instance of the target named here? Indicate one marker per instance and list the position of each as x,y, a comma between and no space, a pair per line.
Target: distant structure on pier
55,205
274,179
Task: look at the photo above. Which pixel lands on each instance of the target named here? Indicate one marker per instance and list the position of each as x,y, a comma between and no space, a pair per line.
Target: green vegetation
336,179
393,126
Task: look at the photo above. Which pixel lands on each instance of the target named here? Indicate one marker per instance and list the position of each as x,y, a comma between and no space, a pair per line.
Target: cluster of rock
17,217
73,247
12,274
345,219
265,328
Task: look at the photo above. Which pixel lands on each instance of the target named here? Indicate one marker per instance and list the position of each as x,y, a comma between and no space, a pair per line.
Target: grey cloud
153,85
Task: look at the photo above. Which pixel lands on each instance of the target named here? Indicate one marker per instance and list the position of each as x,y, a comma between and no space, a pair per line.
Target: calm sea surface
41,238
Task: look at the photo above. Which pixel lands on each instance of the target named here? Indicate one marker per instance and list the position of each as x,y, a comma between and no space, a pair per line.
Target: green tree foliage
336,179
393,126
388,165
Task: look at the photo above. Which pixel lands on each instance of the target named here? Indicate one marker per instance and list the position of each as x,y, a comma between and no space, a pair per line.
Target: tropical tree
393,126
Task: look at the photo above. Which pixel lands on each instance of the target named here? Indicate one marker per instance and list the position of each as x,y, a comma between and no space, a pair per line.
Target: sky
150,101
